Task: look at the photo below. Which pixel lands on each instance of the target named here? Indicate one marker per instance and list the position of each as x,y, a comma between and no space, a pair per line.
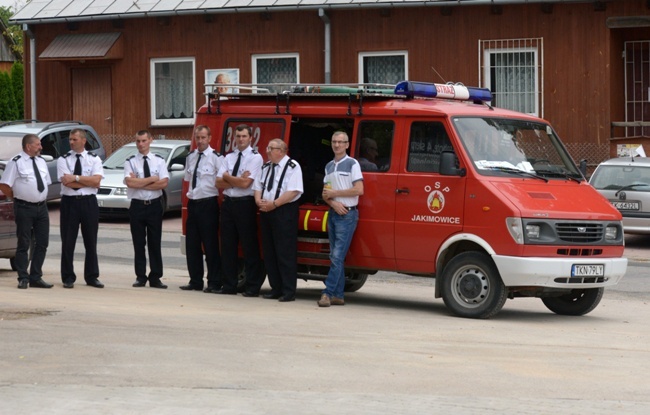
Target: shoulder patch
292,164
129,158
16,158
158,155
254,151
65,155
216,154
267,164
92,154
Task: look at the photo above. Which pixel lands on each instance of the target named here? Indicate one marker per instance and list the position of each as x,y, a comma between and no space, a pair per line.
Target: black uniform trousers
145,217
79,211
202,237
31,218
280,245
239,224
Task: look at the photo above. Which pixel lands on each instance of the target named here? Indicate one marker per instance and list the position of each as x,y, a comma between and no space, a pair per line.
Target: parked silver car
625,182
8,240
54,140
112,192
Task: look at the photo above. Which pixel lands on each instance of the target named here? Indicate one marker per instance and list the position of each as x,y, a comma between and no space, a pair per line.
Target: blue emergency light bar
448,91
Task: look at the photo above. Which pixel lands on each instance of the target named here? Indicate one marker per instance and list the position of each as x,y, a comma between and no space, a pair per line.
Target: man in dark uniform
276,194
202,225
26,179
239,214
145,175
80,173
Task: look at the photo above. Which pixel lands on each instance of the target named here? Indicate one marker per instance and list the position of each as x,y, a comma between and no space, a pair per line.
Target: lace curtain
384,69
174,83
513,80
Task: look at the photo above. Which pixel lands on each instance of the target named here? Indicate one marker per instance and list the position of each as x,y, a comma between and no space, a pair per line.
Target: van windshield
501,146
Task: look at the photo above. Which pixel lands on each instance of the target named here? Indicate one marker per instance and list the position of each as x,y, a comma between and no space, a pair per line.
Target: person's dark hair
143,132
79,131
28,139
203,127
242,127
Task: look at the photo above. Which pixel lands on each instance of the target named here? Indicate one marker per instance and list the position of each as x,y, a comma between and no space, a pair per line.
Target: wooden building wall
582,58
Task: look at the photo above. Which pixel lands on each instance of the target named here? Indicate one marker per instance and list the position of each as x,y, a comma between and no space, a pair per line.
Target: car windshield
10,145
501,146
116,160
632,178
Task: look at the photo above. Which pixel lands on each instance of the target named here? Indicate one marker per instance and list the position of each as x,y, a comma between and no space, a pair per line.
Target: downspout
328,46
32,69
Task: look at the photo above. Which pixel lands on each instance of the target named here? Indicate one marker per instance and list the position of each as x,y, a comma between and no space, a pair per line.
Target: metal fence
592,152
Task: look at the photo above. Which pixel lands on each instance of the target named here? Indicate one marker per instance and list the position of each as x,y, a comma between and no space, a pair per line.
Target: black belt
78,196
24,202
205,199
239,199
351,207
146,202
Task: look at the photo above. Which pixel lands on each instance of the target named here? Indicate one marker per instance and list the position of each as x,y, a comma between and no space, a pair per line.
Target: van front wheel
354,281
576,303
472,286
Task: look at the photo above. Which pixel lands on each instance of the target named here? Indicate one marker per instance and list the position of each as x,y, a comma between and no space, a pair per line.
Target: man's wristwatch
76,179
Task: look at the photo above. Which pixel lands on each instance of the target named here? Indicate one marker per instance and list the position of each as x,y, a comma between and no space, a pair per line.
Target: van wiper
518,172
629,186
560,173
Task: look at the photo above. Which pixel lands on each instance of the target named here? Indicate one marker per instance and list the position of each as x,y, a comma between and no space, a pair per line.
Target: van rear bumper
556,272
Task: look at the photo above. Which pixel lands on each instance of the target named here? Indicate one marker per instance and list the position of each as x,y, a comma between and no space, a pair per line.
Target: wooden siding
582,58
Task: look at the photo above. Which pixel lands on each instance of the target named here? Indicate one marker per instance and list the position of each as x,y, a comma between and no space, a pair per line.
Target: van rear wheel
472,286
576,303
354,281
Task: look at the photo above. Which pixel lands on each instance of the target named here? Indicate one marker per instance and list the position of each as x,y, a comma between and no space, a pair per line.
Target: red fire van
486,201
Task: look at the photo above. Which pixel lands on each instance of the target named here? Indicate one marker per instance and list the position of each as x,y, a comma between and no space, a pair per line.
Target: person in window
222,78
368,153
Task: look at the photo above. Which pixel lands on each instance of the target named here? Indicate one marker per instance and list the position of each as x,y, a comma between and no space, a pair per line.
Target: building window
172,91
280,69
637,88
513,70
383,67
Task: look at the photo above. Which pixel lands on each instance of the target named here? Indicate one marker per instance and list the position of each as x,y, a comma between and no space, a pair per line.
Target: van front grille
580,232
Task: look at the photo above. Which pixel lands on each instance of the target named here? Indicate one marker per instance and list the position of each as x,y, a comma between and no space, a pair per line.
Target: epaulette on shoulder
66,155
92,154
16,158
292,164
267,164
216,154
129,158
254,151
158,155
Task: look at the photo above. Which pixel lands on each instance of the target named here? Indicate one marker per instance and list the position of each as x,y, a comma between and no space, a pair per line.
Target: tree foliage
18,85
12,31
7,102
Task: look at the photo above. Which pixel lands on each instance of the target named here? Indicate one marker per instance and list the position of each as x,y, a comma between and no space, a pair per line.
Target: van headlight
611,233
532,231
516,229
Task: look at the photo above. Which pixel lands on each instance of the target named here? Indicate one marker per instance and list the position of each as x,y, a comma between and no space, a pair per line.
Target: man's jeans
340,231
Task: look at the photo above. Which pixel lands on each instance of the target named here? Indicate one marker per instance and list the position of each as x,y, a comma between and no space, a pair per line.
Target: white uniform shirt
19,175
292,179
342,175
251,161
209,165
157,167
91,165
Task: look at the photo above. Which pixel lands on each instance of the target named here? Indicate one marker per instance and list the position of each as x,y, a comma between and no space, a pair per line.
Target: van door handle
405,190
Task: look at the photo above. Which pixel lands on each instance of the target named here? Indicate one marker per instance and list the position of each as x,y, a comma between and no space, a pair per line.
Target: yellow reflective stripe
306,221
327,212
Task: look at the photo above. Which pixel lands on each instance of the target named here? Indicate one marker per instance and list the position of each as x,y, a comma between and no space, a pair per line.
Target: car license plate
626,205
583,270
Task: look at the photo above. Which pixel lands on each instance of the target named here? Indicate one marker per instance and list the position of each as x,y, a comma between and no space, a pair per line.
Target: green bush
18,83
7,101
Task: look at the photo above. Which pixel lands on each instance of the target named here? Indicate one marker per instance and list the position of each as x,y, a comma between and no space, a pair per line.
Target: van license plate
579,270
626,205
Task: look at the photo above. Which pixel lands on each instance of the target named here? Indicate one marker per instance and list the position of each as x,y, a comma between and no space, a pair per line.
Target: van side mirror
449,165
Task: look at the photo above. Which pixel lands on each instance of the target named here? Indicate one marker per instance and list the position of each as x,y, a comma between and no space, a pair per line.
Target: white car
111,196
625,182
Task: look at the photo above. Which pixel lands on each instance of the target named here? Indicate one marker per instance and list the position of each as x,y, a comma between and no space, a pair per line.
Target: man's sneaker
324,301
337,301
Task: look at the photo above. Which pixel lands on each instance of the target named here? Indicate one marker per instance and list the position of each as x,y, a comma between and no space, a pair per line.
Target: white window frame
535,46
152,98
386,53
260,56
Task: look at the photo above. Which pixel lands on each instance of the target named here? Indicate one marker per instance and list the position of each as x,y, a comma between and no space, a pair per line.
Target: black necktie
145,167
272,178
39,179
196,169
77,167
236,169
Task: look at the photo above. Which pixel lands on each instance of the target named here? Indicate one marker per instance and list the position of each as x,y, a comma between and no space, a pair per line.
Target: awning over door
91,46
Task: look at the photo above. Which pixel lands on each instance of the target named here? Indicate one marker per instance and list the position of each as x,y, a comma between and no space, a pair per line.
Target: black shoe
212,290
139,283
22,284
272,296
249,294
190,287
95,283
225,292
68,285
157,284
39,283
286,299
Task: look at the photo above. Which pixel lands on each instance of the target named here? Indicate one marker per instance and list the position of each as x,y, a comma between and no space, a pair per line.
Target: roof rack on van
54,124
17,122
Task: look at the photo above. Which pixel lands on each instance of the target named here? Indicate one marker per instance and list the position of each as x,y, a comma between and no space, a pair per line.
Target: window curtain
174,83
384,69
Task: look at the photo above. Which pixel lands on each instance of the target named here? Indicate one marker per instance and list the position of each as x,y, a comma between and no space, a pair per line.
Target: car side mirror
176,167
47,157
449,165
